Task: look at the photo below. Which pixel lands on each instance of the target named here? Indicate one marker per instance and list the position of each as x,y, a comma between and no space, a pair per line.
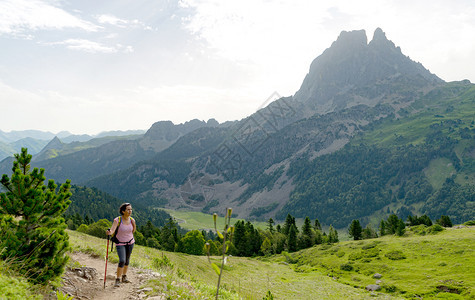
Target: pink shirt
125,232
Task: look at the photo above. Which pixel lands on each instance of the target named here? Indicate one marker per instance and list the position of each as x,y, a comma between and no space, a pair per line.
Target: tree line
247,239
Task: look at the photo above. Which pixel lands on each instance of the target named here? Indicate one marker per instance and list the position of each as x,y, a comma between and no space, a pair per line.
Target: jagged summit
353,71
380,37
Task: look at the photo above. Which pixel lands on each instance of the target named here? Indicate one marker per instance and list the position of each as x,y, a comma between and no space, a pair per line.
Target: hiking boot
124,279
117,282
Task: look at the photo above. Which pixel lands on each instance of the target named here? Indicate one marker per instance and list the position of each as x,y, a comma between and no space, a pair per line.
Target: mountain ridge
265,164
253,168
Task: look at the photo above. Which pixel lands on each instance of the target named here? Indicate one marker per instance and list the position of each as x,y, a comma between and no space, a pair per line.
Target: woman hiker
125,226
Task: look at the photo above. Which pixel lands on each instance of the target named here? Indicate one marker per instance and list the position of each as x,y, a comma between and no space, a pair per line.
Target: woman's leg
121,251
128,252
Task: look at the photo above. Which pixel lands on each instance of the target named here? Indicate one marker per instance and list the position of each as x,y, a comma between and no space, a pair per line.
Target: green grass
445,259
193,220
439,170
13,286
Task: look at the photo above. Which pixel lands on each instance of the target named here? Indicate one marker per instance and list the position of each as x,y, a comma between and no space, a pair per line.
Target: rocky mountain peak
55,143
380,43
349,39
379,36
353,72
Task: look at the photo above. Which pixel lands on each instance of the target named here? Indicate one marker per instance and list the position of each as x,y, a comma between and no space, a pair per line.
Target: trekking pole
107,256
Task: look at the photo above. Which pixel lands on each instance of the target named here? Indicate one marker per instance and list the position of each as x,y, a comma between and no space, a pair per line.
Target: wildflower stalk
228,231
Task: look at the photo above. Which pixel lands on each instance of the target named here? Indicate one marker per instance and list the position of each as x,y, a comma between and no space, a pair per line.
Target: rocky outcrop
162,134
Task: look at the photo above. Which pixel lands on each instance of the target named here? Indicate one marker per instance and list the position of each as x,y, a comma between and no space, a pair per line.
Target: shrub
153,243
159,263
346,267
435,228
469,223
373,252
289,258
139,238
83,228
370,245
395,255
193,243
340,253
268,296
419,229
99,228
356,256
389,288
444,221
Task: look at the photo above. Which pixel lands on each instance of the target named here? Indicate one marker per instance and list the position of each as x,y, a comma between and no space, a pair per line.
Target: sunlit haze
92,66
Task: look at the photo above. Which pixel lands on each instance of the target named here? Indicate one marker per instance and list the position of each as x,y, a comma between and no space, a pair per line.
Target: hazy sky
87,66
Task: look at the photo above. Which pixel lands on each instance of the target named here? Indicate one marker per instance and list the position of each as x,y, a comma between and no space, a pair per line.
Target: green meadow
419,265
428,266
243,278
193,220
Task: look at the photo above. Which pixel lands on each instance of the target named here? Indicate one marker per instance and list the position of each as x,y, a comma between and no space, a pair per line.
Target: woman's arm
112,229
133,225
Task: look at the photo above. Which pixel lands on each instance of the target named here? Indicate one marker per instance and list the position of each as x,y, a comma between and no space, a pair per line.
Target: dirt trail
87,282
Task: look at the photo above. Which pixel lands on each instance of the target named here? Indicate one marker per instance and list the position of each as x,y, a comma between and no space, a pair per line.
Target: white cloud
86,46
18,17
108,19
112,20
92,47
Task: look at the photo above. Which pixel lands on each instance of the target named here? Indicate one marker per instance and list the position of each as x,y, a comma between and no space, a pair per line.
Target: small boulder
373,287
377,276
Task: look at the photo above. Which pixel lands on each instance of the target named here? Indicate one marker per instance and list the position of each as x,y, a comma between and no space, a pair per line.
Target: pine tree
292,239
32,230
307,227
270,225
306,238
444,221
332,235
239,238
355,230
401,228
317,225
382,228
393,223
289,221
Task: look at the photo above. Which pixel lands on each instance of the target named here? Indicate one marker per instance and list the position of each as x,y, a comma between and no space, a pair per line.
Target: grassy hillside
452,104
433,266
243,278
439,266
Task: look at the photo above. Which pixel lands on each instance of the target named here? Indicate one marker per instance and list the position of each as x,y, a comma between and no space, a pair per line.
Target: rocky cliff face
353,72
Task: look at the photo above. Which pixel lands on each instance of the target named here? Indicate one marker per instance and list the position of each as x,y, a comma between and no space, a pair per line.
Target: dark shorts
124,253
